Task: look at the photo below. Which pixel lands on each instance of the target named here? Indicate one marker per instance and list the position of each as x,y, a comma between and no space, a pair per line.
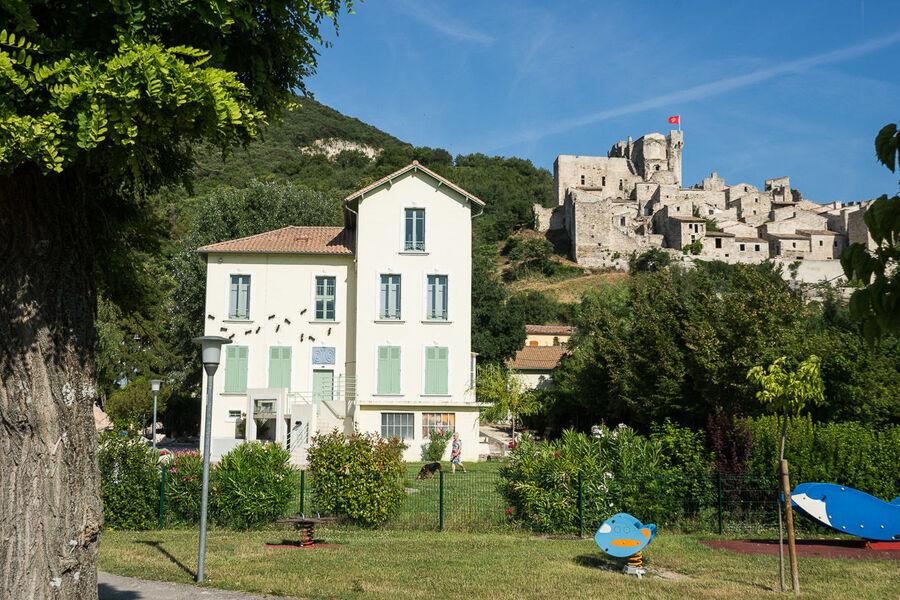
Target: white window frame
381,315
412,416
313,316
423,243
427,318
249,294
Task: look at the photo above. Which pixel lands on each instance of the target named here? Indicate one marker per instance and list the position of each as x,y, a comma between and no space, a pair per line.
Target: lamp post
211,353
154,387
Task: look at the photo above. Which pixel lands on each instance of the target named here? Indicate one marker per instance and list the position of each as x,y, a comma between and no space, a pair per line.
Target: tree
507,394
785,392
496,331
131,407
654,259
877,302
92,119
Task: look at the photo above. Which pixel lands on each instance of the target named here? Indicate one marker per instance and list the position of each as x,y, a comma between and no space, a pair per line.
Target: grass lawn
403,564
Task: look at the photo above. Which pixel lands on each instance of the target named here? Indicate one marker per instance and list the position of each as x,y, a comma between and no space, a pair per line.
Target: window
710,211
388,369
280,367
436,301
677,209
443,422
436,370
603,181
621,184
742,247
555,341
657,167
718,242
325,293
397,425
757,247
820,242
234,415
239,298
236,369
415,230
622,221
582,180
390,297
793,244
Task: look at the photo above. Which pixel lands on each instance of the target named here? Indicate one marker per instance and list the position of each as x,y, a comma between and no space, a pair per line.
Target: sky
764,88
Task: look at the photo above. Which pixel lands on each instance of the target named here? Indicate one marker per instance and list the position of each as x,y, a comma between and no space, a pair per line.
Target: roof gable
415,167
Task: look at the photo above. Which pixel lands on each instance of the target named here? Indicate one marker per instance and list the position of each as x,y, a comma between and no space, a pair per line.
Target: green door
323,386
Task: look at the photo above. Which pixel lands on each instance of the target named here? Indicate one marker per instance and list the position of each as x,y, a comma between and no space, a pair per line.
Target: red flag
675,119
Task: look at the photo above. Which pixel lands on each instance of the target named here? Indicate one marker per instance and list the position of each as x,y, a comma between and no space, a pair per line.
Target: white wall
380,237
280,285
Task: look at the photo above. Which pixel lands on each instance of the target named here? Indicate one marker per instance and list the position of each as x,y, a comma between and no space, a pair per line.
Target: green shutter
280,367
388,369
436,370
236,369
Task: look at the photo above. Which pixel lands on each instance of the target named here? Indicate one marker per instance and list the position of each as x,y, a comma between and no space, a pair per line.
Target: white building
366,326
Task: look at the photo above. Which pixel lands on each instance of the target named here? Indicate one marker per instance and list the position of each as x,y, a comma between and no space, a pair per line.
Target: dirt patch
851,549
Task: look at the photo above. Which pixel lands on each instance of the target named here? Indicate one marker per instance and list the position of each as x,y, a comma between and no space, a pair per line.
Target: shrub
183,484
131,407
845,453
436,446
253,485
619,471
129,482
358,477
652,260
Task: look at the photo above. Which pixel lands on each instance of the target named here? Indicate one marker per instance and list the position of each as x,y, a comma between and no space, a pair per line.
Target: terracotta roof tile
289,240
550,329
537,358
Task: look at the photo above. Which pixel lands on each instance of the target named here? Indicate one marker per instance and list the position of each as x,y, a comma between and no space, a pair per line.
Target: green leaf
887,146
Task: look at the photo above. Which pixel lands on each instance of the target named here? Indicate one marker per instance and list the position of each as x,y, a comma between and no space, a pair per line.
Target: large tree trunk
49,494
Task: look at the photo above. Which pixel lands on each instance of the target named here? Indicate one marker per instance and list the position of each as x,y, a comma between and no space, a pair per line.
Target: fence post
162,498
302,490
719,503
441,500
580,506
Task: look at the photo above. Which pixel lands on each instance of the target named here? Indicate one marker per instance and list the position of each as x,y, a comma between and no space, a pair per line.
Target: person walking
456,454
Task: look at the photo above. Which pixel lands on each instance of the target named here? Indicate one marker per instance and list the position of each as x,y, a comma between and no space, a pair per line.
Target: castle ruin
633,199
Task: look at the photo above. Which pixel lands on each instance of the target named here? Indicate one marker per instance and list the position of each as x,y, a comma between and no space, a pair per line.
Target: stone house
718,245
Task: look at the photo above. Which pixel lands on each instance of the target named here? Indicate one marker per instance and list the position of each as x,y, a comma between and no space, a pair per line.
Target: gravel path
116,587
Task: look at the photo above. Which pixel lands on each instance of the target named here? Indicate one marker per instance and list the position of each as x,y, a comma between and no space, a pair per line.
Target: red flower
509,511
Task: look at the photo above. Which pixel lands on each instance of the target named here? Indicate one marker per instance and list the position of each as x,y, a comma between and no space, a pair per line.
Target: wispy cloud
706,90
443,24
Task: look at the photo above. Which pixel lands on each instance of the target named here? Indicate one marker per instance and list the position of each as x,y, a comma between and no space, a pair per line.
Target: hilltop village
633,199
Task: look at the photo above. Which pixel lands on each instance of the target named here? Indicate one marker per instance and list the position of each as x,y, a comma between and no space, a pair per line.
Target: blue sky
764,88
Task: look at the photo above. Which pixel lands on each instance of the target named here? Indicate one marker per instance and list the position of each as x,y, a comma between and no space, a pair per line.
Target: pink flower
509,511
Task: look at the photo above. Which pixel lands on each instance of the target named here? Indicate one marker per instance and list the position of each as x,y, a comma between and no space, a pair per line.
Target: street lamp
154,387
211,353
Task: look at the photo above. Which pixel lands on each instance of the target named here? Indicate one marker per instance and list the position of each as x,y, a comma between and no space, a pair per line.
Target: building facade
365,327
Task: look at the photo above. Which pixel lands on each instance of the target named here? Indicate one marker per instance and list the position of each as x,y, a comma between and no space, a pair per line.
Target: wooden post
789,519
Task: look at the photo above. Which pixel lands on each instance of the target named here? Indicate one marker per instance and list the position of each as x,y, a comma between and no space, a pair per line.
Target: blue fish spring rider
623,536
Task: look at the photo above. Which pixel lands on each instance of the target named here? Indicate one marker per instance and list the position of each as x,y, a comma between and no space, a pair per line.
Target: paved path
115,587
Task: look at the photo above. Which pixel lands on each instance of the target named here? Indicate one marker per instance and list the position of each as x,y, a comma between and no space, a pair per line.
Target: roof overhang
414,167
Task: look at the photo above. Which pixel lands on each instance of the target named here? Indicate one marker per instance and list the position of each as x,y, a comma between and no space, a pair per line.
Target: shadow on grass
170,556
596,561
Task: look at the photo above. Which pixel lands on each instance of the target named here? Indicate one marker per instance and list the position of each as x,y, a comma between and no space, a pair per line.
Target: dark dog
428,470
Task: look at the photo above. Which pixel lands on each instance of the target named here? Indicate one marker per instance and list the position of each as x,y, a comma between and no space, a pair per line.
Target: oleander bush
184,474
852,454
358,478
129,482
253,485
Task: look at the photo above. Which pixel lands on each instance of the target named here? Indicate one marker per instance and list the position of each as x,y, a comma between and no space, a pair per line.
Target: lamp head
155,385
211,351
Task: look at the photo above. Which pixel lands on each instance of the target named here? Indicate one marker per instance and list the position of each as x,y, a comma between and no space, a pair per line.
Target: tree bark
49,485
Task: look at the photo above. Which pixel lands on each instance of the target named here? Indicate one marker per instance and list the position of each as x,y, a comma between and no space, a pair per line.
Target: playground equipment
849,511
623,536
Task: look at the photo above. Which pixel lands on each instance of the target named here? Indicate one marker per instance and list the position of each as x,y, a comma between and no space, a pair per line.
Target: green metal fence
471,501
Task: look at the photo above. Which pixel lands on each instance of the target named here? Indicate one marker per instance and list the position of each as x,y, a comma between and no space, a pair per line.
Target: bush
359,478
184,479
131,407
436,446
650,261
844,453
619,470
129,482
254,485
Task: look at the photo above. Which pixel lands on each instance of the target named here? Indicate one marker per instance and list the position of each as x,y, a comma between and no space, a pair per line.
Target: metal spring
636,560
